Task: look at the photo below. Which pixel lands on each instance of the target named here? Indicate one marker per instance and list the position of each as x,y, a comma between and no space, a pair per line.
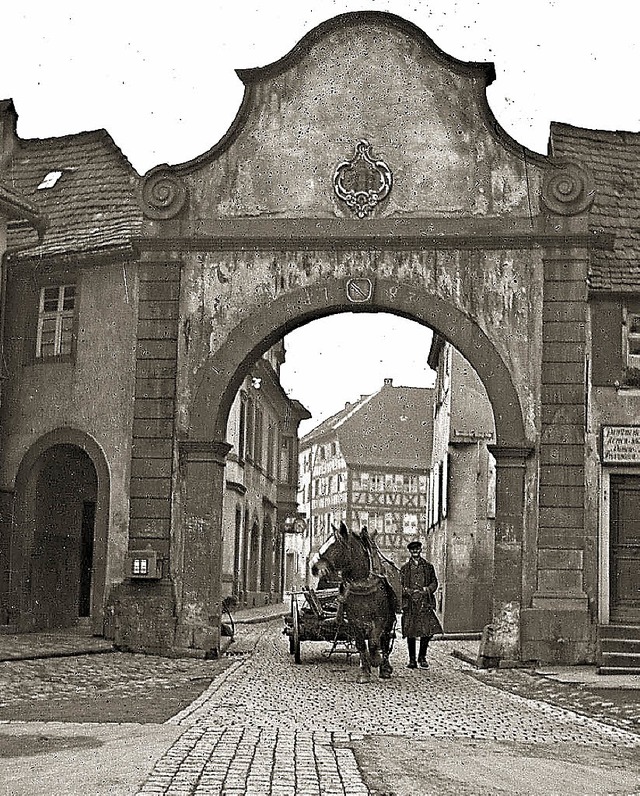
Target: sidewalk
80,641
581,674
51,644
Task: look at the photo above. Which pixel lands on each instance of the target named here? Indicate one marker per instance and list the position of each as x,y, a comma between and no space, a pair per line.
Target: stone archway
68,470
223,372
457,227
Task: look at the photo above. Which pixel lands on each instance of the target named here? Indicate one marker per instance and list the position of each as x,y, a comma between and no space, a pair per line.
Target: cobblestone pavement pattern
100,688
267,727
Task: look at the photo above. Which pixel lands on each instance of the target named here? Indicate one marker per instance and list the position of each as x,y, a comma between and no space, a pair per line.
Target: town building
88,454
15,210
261,482
461,516
368,466
602,532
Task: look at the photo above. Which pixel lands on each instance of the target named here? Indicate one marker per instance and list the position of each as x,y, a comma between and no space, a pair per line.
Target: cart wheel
294,608
294,639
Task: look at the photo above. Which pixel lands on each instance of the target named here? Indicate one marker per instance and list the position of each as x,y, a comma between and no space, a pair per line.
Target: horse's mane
370,543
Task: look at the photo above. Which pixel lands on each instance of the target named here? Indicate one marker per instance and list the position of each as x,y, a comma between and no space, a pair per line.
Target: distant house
462,492
261,481
367,465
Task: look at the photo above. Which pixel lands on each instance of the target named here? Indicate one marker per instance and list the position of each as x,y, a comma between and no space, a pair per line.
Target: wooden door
625,549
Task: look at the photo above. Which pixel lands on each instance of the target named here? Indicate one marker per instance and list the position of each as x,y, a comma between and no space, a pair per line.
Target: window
55,321
249,429
242,426
288,468
376,484
436,492
271,448
410,483
257,439
632,339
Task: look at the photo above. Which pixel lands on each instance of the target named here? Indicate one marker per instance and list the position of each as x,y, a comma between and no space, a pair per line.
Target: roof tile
91,208
614,161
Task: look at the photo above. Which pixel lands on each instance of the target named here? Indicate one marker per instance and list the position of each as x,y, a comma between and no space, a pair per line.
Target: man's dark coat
419,583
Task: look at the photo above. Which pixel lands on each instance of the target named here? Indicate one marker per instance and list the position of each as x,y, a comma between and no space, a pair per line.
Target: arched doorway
266,557
253,563
62,491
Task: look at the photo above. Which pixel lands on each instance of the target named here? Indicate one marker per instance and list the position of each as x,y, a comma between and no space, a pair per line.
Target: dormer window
55,321
49,180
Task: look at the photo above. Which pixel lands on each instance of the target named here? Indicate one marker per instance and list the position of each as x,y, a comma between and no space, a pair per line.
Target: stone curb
35,656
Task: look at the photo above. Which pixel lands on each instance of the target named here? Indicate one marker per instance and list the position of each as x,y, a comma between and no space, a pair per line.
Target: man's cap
414,546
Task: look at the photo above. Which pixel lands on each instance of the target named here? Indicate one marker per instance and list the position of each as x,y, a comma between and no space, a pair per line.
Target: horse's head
343,552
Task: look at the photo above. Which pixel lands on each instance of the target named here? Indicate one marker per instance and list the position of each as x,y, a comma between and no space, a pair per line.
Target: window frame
632,361
33,333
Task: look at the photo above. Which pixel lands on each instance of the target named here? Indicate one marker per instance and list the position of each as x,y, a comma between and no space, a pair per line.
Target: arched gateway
366,172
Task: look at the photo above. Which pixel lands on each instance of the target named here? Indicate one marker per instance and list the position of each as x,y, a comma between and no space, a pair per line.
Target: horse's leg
385,640
374,649
364,674
385,667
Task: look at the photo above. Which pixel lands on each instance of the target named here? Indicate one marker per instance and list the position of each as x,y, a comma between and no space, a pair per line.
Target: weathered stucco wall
425,115
500,291
41,397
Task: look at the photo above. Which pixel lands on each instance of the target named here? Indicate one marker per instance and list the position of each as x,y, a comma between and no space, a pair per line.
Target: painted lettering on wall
621,444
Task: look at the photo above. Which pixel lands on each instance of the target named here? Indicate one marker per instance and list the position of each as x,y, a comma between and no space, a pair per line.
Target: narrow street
78,719
268,727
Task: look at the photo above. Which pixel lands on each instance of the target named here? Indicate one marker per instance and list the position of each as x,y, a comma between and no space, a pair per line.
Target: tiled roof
91,208
328,426
614,161
14,206
390,428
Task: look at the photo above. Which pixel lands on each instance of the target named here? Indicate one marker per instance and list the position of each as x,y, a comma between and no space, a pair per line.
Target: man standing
419,583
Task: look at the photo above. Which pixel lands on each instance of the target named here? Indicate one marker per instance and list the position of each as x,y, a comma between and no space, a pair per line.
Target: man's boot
422,652
411,646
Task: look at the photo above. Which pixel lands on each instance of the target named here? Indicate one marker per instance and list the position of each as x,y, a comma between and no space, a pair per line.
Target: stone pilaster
199,593
557,626
501,639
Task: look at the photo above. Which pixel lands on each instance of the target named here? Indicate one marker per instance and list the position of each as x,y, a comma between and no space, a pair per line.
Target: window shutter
607,355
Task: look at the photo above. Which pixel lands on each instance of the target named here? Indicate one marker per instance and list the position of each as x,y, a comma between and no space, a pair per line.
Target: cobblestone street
268,727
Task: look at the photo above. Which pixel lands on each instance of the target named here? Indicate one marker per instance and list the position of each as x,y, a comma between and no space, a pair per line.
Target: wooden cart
317,616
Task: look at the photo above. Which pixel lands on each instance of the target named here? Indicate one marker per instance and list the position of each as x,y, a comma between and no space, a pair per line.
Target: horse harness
365,588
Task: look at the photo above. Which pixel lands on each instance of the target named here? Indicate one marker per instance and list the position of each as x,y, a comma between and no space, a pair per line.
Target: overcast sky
160,78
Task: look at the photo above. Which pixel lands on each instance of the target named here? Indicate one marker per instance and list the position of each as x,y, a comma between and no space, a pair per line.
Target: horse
368,599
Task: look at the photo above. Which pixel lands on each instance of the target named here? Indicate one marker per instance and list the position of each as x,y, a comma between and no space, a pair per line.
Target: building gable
85,188
370,77
391,430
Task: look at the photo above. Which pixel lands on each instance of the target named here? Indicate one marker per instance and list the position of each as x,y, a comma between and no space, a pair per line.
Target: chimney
347,405
8,124
388,382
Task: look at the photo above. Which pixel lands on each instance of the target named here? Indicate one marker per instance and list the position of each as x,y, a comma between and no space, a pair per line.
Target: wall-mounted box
142,564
